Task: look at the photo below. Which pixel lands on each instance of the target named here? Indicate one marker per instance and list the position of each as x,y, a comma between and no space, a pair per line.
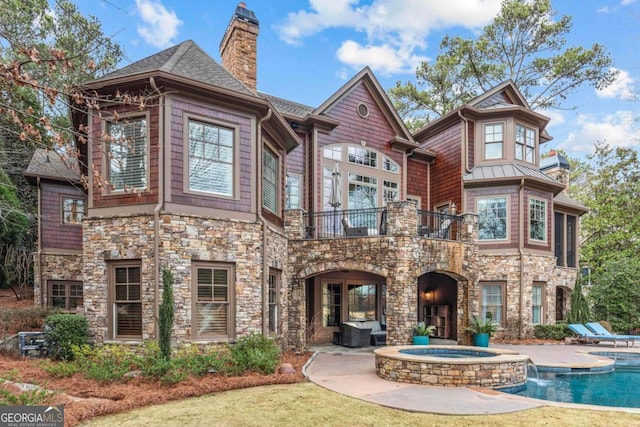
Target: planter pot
420,340
481,340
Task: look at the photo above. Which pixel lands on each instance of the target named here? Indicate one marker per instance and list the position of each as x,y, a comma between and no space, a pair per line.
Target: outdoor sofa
363,333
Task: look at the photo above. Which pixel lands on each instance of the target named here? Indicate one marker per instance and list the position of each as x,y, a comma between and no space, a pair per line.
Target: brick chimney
238,48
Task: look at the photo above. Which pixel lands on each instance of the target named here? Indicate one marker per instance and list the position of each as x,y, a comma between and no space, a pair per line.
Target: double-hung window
270,180
493,140
537,220
294,192
492,218
525,144
127,154
73,210
211,158
536,304
273,300
492,302
126,309
213,296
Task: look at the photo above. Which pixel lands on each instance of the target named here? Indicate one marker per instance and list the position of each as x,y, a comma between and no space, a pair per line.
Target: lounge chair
588,337
600,330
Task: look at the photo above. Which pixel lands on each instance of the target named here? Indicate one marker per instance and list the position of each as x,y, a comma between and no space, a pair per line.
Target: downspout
156,210
465,142
265,265
41,276
521,251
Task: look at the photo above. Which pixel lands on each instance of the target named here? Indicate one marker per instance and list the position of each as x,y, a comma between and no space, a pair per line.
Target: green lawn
310,405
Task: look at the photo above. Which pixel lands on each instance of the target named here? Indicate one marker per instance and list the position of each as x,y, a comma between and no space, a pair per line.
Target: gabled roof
509,172
490,100
51,165
366,75
286,107
186,59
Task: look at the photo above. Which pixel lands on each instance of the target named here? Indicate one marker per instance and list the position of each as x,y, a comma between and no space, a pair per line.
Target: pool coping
502,355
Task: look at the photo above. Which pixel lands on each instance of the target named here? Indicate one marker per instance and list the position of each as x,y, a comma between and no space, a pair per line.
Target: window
565,239
536,304
493,139
362,156
389,165
331,295
126,308
213,293
274,291
571,240
363,191
293,192
362,302
211,158
492,302
270,180
415,199
65,295
73,210
127,153
525,144
537,220
333,152
390,189
492,218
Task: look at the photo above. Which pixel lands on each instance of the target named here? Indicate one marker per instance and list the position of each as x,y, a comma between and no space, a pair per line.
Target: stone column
294,225
469,227
402,219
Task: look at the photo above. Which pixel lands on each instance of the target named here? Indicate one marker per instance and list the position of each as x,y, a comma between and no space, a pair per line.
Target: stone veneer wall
537,269
54,267
183,239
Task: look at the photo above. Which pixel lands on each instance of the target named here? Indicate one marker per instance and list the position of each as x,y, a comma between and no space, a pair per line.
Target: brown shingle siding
446,171
56,235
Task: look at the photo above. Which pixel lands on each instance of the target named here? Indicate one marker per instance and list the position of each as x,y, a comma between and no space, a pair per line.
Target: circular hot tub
452,366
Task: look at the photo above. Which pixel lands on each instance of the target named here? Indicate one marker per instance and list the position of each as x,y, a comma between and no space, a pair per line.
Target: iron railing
438,225
346,223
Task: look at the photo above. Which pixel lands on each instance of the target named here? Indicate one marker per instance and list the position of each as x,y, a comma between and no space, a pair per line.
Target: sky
308,49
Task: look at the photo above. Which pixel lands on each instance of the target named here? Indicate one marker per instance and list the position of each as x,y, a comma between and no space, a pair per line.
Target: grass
307,404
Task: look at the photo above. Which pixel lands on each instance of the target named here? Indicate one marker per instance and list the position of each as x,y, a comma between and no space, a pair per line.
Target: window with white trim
492,301
211,157
389,165
363,191
536,304
213,301
525,144
493,140
538,220
333,152
363,156
391,192
294,192
270,180
127,154
492,218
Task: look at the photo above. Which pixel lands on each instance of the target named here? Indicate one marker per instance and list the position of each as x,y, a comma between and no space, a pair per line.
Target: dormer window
525,144
493,141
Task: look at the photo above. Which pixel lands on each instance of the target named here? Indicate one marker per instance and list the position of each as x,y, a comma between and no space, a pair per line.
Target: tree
166,314
616,295
579,312
524,43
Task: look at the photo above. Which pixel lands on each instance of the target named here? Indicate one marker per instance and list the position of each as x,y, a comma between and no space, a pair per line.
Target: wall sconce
428,296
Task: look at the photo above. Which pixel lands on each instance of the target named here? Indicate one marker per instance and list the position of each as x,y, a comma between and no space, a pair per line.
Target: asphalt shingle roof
284,106
52,165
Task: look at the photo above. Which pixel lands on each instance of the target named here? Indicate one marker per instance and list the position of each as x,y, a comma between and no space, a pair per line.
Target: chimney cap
244,14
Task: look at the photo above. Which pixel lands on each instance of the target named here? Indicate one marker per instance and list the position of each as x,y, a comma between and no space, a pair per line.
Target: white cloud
620,129
604,9
159,26
557,117
628,2
394,29
621,88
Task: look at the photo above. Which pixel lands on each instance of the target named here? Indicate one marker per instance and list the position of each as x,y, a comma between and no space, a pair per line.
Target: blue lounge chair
588,337
600,330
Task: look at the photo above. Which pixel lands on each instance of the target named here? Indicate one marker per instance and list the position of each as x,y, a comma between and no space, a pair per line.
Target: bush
62,332
255,353
166,314
107,363
552,332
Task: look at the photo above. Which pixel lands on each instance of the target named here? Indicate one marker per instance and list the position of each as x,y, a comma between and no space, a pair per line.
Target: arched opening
342,296
438,304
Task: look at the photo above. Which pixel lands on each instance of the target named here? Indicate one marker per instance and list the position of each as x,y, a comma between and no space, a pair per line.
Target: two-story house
286,219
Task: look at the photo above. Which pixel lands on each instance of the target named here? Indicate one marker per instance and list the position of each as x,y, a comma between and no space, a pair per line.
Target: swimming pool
618,387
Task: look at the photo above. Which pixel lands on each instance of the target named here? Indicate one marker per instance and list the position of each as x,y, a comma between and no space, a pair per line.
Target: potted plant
482,330
421,333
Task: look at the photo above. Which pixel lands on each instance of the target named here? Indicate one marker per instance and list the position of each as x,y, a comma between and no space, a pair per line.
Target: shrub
107,363
256,353
166,314
62,331
62,369
552,332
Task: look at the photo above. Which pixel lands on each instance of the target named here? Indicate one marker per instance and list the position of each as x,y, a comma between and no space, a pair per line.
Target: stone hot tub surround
504,368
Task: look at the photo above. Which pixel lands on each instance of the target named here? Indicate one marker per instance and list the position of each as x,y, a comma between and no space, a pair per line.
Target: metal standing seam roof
506,171
186,59
50,164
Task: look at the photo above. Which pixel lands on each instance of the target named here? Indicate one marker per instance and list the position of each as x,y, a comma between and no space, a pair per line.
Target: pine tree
166,314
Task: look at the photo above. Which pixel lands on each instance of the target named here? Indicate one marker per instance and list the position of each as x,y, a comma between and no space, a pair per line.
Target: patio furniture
600,330
378,331
586,336
351,231
354,335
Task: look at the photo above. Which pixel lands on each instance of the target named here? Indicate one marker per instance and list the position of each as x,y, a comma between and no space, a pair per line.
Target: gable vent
363,110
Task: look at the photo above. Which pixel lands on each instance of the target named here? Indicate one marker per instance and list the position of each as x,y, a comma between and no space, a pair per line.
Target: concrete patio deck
352,372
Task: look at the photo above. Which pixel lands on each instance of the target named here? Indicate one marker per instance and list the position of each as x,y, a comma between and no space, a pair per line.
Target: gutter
265,266
156,210
521,251
465,141
40,274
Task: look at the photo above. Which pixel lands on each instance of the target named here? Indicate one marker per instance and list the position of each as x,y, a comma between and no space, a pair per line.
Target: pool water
447,353
617,388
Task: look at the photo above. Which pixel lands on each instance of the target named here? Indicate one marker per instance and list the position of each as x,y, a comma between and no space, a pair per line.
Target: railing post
402,219
294,224
469,227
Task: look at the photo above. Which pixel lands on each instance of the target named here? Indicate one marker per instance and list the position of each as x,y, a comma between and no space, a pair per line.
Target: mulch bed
84,399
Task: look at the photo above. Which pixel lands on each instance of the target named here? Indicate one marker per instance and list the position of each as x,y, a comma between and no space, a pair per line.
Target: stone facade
52,266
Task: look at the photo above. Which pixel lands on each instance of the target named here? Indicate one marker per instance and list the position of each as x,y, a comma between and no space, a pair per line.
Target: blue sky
308,49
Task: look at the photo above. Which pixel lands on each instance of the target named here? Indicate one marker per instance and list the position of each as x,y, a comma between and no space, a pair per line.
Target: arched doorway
438,304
